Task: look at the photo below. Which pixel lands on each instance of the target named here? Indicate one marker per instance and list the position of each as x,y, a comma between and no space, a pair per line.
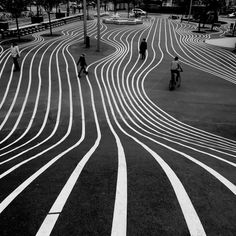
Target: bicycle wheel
179,82
172,84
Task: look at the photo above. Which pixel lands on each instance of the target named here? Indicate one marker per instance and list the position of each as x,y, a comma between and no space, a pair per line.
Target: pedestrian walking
15,53
83,65
143,48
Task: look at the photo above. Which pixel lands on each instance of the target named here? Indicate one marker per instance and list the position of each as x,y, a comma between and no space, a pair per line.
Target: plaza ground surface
115,152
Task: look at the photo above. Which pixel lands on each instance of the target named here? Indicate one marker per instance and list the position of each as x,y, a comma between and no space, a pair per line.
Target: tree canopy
15,7
49,4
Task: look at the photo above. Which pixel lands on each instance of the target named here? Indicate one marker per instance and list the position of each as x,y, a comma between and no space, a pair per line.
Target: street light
85,20
190,10
68,8
98,25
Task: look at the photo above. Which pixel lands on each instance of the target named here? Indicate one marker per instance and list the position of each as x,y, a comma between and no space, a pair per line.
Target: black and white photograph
118,118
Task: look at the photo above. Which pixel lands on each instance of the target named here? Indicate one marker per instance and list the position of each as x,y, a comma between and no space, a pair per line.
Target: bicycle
175,80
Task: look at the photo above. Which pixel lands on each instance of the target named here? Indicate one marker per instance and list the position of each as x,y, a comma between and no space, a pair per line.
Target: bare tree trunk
115,9
18,30
68,8
128,9
50,25
85,20
233,31
37,10
98,25
199,26
190,10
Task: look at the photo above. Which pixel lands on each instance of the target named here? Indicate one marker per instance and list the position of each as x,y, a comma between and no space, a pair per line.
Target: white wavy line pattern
43,105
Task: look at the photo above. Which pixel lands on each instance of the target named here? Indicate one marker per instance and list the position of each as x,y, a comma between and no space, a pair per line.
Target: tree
15,7
48,6
38,3
128,3
212,10
115,5
105,4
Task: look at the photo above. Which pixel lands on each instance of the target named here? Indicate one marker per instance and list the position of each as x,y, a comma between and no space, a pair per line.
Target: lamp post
85,20
190,10
98,25
15,14
68,8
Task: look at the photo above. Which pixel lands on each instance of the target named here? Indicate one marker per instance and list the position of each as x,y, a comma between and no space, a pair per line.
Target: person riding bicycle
175,68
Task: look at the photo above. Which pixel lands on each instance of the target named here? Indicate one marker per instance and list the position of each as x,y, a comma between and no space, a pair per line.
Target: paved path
115,152
223,42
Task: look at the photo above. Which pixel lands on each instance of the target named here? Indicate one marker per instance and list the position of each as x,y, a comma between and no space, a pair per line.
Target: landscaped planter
4,25
36,19
122,21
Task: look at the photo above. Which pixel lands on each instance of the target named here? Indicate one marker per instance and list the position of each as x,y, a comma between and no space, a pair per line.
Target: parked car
138,12
173,17
232,15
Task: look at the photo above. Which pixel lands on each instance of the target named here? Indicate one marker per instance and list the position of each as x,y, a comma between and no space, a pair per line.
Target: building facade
171,3
156,4
230,3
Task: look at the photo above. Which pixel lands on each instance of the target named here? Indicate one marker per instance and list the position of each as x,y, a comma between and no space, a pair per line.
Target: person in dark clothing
15,53
83,65
143,48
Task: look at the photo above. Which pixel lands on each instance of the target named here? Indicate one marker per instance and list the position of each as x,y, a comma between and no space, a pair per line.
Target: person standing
143,48
83,65
15,53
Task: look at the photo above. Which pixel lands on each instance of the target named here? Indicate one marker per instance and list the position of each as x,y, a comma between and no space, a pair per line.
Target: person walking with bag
15,53
175,67
83,65
143,48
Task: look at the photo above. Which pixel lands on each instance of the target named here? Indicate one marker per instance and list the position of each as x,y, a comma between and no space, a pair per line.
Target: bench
32,28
